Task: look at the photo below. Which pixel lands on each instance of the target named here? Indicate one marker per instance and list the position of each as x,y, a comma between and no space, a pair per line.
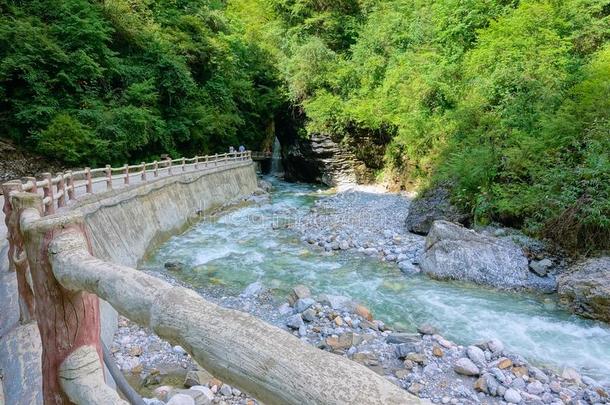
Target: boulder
585,288
303,303
298,292
458,253
295,321
432,206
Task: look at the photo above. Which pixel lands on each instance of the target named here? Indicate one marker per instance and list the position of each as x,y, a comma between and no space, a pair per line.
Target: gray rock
253,289
454,252
535,388
465,367
309,315
585,288
298,292
404,349
541,267
433,205
303,303
295,321
476,355
512,396
547,398
226,390
518,383
285,309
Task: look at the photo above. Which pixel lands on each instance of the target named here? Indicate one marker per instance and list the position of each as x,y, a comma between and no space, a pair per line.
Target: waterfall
276,159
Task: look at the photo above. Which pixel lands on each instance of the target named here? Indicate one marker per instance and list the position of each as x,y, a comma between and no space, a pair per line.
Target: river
247,244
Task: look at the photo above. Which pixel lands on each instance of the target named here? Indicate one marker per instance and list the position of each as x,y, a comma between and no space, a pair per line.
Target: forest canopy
504,101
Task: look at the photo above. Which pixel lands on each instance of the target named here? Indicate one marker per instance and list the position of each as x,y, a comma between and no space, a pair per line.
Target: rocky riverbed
365,222
424,363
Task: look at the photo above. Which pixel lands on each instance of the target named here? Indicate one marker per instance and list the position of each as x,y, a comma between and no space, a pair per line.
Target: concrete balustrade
58,191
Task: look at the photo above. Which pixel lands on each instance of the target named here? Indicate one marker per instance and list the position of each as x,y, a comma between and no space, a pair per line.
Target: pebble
465,366
512,396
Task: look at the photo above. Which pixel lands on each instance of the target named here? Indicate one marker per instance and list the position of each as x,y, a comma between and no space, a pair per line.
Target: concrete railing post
215,159
16,255
89,187
169,166
183,164
67,320
71,190
196,162
126,174
32,181
61,191
156,168
108,177
49,207
143,171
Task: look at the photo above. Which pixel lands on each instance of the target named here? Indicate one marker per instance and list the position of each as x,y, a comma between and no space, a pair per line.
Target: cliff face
321,158
325,159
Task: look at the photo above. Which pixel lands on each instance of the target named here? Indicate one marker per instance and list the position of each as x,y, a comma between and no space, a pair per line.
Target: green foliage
504,99
129,79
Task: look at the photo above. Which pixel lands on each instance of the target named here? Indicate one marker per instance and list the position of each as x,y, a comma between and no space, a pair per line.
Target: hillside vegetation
117,80
505,101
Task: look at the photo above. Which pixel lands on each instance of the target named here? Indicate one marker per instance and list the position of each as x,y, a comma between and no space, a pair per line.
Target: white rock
465,367
535,388
495,345
512,396
179,350
476,355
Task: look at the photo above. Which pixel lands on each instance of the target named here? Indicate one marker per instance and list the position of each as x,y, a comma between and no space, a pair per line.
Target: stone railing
61,282
59,190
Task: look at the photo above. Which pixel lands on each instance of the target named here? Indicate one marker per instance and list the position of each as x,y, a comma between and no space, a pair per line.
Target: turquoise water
241,247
